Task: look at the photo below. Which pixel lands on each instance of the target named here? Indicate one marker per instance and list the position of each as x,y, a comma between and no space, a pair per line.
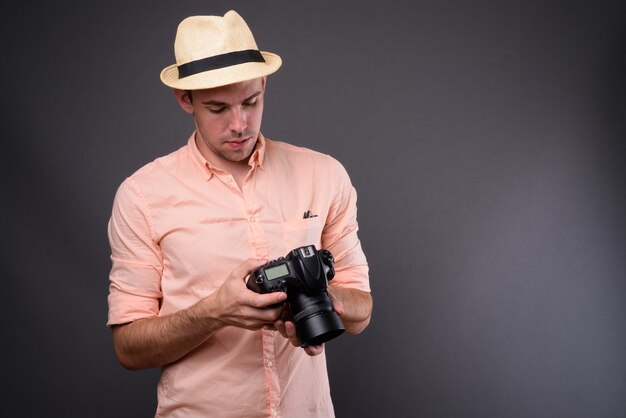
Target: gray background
486,140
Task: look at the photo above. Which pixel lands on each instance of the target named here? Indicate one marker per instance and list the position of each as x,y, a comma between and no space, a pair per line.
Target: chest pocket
302,232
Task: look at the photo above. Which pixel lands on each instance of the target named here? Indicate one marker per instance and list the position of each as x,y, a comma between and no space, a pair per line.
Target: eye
251,102
216,110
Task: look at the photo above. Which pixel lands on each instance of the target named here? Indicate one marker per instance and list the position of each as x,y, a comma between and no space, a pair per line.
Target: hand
287,328
140,344
234,304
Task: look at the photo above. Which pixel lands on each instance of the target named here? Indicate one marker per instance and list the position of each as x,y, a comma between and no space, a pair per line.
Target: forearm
357,306
156,341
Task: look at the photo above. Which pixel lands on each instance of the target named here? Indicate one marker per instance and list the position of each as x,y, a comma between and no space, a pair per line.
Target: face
228,120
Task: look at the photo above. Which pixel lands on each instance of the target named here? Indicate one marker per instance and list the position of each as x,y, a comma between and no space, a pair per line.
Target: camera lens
316,320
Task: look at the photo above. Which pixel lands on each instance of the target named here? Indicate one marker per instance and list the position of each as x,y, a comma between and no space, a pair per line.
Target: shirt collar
258,155
206,169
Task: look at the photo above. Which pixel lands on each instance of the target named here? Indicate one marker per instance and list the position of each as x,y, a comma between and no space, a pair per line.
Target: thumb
337,305
244,269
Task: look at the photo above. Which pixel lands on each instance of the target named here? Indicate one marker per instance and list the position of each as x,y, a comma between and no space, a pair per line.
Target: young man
187,229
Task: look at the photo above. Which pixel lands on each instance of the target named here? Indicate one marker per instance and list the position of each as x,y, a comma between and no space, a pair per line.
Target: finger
290,332
337,305
269,315
286,313
314,350
247,267
280,327
265,300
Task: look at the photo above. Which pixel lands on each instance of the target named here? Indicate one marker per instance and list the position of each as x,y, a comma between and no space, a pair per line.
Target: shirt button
274,413
270,364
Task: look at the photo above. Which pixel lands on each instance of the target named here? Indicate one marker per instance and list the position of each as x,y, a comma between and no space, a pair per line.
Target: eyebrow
218,103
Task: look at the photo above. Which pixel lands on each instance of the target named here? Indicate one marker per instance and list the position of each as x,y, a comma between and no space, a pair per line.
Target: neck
237,169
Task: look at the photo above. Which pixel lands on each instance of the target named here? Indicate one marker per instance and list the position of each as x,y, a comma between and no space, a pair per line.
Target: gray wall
486,140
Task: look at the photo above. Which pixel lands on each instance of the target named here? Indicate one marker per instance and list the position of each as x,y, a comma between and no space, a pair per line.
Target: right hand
236,305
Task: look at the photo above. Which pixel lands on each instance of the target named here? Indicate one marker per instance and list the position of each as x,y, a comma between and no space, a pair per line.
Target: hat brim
223,76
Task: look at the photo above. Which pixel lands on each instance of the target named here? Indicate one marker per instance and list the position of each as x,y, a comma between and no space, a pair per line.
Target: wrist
205,315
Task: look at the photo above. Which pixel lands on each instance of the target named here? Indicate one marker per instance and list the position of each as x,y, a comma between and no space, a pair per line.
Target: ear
184,100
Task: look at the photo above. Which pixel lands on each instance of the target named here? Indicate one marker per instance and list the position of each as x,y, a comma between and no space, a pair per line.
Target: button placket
271,374
258,239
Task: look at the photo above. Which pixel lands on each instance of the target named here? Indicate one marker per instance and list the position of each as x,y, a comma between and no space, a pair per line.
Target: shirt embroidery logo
308,214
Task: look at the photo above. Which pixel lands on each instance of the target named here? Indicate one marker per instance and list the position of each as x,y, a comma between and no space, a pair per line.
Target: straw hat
213,51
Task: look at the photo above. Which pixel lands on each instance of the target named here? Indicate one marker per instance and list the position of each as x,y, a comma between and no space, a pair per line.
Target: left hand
287,328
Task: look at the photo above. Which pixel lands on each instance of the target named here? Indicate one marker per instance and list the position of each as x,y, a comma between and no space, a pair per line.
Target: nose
237,121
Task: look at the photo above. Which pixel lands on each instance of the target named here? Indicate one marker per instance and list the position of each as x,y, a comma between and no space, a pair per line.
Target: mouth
237,143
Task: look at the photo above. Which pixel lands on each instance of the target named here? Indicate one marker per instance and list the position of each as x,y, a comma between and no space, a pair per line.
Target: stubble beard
238,155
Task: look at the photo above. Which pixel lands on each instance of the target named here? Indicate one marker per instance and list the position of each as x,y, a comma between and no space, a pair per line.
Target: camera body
303,274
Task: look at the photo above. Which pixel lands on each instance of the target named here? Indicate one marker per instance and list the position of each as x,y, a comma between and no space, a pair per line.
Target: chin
237,157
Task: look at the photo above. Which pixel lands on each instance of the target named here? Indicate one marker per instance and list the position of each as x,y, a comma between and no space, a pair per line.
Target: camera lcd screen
276,272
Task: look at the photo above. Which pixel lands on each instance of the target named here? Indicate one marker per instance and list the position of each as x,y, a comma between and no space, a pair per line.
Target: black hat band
219,61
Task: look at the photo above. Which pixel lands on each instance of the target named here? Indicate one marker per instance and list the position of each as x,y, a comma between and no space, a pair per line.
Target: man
187,229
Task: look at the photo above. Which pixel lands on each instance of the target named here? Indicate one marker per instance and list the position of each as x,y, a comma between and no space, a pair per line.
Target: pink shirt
179,226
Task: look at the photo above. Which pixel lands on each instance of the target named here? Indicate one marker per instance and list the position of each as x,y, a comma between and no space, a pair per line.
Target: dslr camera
303,274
